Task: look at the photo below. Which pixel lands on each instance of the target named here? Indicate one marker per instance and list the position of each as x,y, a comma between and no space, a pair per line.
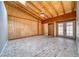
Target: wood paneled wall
45,29
21,24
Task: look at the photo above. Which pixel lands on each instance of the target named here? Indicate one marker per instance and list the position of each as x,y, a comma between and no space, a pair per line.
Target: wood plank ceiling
50,9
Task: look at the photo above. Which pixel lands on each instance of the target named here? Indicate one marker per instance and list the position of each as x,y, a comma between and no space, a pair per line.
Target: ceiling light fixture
42,14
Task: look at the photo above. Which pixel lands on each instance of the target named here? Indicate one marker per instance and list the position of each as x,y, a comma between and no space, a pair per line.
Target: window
69,29
66,29
60,28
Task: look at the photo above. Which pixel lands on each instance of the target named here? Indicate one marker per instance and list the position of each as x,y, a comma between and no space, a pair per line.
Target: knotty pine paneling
45,28
40,28
21,24
22,28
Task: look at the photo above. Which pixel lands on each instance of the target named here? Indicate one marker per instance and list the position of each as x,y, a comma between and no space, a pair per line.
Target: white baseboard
4,48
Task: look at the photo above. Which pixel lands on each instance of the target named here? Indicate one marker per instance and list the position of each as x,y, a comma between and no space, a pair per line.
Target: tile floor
41,46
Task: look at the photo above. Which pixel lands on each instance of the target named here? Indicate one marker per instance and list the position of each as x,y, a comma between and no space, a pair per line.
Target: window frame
69,30
64,35
62,29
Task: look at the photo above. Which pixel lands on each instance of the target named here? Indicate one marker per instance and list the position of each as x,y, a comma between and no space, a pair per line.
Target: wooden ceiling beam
62,7
45,8
65,17
51,5
73,5
37,8
34,12
34,5
48,10
21,8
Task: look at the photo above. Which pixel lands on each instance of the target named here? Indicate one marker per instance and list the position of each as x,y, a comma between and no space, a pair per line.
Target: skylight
22,1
